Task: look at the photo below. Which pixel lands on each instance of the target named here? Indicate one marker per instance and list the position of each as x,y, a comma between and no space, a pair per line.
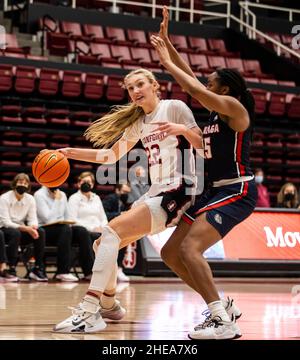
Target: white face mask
259,179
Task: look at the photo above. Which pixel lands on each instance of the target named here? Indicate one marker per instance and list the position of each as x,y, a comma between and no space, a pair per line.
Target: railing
290,11
176,9
251,30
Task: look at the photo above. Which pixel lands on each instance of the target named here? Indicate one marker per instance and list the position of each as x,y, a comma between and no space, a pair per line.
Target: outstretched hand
161,48
168,129
163,31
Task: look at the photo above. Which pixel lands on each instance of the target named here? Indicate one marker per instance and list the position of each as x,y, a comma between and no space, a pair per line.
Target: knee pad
105,260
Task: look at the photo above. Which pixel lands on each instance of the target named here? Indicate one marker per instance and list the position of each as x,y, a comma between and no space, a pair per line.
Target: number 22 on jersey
153,153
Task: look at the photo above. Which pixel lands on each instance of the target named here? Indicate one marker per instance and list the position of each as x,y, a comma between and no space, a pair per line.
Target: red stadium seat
142,56
25,79
178,93
58,117
73,30
71,84
36,140
277,106
81,118
260,97
114,91
35,115
6,80
138,38
180,43
10,114
216,62
58,44
12,139
294,108
218,46
199,62
94,86
199,45
235,63
59,141
12,45
117,35
95,33
122,54
49,81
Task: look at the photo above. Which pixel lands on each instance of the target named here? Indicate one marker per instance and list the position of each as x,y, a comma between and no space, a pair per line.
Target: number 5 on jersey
207,148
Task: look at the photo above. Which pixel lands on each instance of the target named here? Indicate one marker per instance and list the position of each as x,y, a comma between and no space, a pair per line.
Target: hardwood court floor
157,308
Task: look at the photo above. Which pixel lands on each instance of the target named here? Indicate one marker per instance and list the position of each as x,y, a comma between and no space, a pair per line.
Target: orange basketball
50,168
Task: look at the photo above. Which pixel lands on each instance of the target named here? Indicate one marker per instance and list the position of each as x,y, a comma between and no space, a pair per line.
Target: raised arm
175,57
234,112
101,156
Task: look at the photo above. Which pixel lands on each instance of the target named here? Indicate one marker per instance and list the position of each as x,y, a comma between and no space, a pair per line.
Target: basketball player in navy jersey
231,194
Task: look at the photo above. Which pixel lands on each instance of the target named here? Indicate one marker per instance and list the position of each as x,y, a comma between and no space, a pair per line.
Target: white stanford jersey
170,158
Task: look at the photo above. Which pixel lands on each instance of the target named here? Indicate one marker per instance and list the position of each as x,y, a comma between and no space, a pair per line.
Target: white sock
216,308
90,304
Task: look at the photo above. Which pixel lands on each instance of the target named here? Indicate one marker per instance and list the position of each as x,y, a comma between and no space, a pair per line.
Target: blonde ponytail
109,128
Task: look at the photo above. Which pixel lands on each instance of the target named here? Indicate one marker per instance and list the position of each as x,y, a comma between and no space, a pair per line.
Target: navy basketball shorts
225,206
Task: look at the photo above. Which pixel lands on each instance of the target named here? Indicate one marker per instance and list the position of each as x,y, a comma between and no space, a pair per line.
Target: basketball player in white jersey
168,131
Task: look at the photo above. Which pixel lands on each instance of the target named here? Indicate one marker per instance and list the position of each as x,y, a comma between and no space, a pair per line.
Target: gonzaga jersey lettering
170,158
226,151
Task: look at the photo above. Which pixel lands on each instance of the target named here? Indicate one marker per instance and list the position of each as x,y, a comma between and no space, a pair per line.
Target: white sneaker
117,312
216,329
81,321
232,310
66,277
121,276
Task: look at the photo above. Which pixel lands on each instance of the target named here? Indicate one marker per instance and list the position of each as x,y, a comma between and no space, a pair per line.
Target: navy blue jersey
226,151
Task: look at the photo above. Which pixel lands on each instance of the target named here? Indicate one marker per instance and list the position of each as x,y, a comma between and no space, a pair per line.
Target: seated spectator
5,275
288,197
18,221
114,204
52,209
139,184
263,196
86,209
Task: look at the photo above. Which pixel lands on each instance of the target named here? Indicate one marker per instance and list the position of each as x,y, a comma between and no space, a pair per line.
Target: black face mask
85,187
124,198
53,189
21,189
288,196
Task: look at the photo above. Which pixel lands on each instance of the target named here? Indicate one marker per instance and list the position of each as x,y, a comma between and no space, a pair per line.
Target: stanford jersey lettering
152,137
210,129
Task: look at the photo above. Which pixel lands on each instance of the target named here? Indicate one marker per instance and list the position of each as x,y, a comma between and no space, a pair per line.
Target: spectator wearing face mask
86,209
139,184
114,204
19,223
263,196
52,212
288,197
